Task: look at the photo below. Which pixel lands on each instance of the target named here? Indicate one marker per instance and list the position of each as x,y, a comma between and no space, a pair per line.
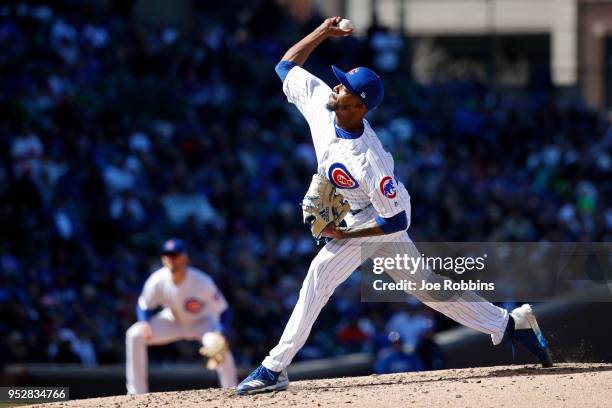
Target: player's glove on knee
322,205
215,348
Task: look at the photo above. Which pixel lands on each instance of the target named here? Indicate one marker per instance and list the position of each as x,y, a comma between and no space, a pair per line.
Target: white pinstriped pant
165,329
333,265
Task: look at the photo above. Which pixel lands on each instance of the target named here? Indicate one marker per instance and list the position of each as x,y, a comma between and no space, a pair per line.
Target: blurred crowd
115,135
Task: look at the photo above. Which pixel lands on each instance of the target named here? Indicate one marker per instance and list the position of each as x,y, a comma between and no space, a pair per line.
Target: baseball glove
215,348
322,205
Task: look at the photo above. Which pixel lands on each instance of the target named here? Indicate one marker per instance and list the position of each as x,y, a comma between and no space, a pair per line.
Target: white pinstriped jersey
360,168
194,298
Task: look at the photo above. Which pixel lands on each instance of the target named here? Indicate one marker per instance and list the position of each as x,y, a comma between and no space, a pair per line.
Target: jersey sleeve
381,185
307,92
216,303
150,296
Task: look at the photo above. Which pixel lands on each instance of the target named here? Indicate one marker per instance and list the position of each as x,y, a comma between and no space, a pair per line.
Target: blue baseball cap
173,246
364,83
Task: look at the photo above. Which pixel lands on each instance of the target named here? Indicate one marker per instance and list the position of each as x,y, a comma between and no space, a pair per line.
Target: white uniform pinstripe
361,169
191,309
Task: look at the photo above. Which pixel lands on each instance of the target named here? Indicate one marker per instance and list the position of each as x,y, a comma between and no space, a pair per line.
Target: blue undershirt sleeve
225,320
143,315
399,222
283,68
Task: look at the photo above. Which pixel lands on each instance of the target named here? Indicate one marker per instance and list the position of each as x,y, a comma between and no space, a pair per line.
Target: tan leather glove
215,348
322,205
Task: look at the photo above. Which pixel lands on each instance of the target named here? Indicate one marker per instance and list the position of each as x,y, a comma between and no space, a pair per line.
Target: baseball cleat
263,380
523,327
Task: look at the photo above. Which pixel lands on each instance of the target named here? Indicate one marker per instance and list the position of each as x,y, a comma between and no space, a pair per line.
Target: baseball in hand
346,24
213,342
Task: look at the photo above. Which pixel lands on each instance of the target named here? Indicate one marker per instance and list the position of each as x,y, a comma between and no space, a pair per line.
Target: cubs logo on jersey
387,188
194,305
340,177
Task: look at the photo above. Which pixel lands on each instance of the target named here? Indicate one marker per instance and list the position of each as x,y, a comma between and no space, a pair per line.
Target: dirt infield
566,385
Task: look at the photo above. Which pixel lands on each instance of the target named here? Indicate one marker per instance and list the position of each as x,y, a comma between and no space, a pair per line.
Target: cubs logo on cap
173,246
387,188
340,177
194,305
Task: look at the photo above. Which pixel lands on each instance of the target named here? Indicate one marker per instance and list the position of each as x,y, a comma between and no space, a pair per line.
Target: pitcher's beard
331,106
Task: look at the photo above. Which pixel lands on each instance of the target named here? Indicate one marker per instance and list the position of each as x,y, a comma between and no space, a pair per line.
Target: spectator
394,359
26,152
411,324
351,336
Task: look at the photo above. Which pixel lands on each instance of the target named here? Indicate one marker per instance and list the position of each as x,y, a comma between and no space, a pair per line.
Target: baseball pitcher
193,309
353,167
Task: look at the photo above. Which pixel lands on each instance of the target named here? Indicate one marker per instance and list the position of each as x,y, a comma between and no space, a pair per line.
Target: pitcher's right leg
465,307
471,310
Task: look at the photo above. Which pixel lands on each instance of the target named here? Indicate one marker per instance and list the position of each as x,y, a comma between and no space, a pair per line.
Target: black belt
355,212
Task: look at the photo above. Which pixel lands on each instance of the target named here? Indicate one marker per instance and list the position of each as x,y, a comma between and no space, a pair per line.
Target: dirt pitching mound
571,385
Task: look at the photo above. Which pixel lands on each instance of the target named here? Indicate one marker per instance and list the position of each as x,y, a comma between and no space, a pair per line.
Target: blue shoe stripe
533,343
541,339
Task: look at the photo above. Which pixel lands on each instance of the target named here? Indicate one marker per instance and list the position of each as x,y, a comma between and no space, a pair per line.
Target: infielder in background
193,309
351,157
